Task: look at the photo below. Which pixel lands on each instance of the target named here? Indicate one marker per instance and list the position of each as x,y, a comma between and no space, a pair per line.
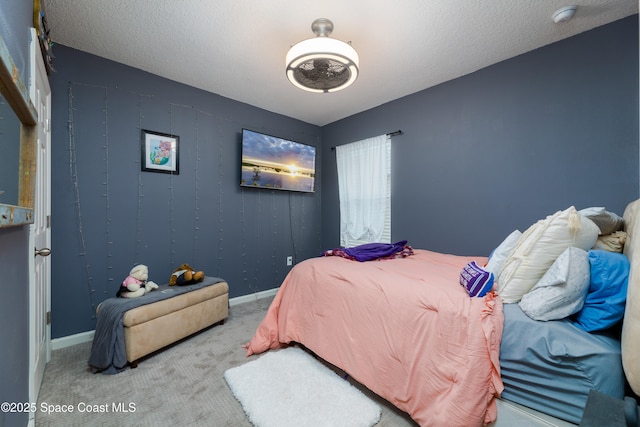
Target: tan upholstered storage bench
150,327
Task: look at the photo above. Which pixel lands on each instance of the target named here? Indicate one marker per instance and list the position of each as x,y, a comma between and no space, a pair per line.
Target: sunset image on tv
276,163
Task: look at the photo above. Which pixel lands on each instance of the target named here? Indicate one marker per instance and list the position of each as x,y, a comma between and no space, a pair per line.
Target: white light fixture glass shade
322,65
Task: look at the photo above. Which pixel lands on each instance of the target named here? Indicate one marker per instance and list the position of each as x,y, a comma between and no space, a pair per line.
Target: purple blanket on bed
373,251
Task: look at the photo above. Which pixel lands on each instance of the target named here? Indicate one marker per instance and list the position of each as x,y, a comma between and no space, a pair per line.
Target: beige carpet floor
181,385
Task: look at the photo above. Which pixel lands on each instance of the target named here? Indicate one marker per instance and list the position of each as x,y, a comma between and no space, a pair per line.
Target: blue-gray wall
500,148
107,215
14,315
16,18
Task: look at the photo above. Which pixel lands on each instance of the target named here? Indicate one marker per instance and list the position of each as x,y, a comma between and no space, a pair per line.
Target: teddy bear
136,283
185,275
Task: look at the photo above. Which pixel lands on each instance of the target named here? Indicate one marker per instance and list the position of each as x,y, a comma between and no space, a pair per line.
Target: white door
40,231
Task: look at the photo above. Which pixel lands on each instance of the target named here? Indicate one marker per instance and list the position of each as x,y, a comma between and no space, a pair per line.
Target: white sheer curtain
362,188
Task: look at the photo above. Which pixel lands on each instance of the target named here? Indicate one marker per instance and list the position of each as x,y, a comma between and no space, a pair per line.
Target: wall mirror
10,158
18,138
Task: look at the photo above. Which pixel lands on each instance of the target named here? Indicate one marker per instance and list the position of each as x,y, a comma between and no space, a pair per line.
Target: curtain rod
394,133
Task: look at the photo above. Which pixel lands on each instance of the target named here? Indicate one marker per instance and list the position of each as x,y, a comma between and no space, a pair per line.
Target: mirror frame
17,96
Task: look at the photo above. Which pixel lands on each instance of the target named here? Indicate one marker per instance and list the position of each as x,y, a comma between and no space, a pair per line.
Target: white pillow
631,324
500,254
563,288
607,222
538,248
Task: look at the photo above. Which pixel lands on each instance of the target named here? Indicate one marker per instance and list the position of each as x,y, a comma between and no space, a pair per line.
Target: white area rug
289,387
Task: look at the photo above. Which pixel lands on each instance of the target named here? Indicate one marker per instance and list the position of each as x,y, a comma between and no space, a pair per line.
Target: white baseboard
82,337
69,340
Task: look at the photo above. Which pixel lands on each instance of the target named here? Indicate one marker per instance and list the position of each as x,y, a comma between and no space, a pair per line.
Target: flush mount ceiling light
564,14
322,64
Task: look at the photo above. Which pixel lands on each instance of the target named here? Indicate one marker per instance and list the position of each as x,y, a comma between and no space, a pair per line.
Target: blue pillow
605,302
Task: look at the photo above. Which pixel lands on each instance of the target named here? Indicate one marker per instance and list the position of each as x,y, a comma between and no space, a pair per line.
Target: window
364,186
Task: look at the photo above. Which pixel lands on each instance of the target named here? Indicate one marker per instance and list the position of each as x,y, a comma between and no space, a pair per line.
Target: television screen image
277,164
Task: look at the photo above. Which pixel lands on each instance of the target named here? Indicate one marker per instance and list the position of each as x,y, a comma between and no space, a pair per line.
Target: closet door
40,231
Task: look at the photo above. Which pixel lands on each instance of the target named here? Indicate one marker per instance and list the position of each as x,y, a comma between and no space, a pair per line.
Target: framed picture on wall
160,152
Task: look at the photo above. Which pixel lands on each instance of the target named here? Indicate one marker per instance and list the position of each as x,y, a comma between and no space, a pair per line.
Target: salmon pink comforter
404,328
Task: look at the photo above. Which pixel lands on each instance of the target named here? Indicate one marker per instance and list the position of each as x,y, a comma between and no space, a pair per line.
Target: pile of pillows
567,265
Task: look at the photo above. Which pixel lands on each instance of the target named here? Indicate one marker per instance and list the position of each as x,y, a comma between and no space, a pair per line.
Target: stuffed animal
136,284
185,275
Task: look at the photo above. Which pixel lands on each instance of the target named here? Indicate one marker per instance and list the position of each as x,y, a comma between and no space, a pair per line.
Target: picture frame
160,152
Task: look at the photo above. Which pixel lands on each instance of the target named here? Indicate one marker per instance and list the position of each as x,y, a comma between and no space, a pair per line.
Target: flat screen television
276,163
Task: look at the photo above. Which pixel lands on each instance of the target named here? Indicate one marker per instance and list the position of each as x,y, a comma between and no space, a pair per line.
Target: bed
406,329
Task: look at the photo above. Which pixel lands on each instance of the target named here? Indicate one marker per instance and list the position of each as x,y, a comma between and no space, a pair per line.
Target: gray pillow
607,222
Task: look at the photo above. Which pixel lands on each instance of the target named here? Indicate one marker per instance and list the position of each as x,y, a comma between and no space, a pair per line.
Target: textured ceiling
237,48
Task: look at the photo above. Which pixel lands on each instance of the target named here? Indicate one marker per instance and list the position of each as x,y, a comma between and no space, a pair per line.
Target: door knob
43,252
